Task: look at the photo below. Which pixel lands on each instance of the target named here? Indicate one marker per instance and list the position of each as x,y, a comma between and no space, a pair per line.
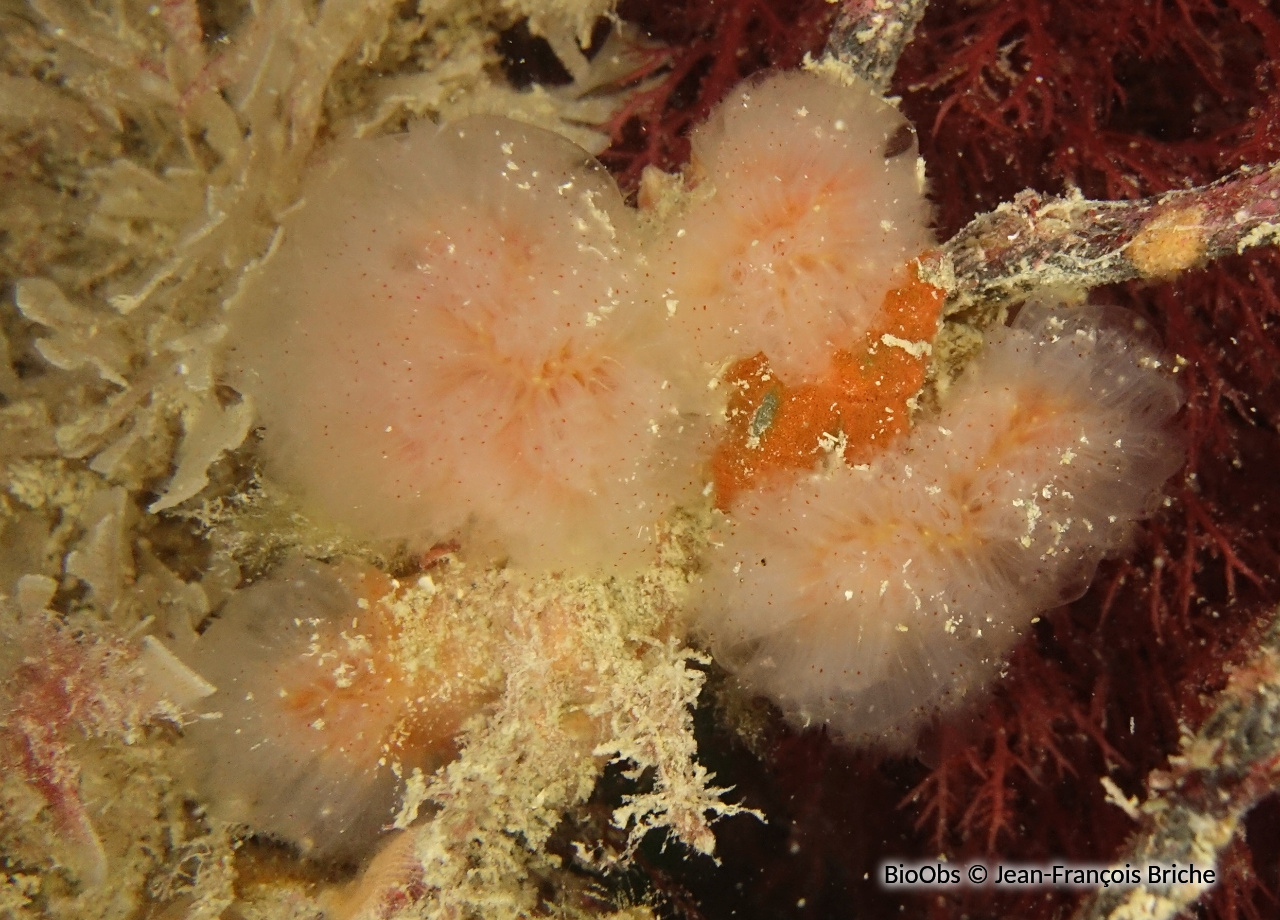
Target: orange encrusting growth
860,403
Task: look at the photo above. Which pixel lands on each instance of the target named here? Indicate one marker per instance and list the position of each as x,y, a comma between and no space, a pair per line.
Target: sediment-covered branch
868,36
1036,241
1195,808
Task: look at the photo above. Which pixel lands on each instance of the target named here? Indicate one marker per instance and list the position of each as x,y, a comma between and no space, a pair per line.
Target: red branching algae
1121,101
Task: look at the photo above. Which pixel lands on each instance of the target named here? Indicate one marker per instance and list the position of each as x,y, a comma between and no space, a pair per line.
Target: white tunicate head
454,336
311,728
813,212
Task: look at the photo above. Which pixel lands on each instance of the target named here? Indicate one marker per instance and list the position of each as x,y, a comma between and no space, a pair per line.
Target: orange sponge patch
875,384
860,405
771,428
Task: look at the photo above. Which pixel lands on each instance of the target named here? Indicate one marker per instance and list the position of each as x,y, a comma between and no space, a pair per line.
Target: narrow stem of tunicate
868,37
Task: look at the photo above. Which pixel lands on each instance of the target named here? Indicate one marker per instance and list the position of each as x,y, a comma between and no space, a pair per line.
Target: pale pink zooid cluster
466,333
871,597
809,206
453,340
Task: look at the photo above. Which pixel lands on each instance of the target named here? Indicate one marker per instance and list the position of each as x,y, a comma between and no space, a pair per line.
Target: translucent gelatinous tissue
810,203
457,334
872,596
322,709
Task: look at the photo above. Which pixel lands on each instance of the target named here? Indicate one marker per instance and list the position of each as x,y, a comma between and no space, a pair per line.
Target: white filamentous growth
871,597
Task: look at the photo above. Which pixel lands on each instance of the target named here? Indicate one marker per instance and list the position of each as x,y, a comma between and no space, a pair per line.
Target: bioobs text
942,875
929,874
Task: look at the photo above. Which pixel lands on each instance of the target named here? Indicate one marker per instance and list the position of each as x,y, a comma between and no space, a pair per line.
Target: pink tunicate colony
322,710
467,334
